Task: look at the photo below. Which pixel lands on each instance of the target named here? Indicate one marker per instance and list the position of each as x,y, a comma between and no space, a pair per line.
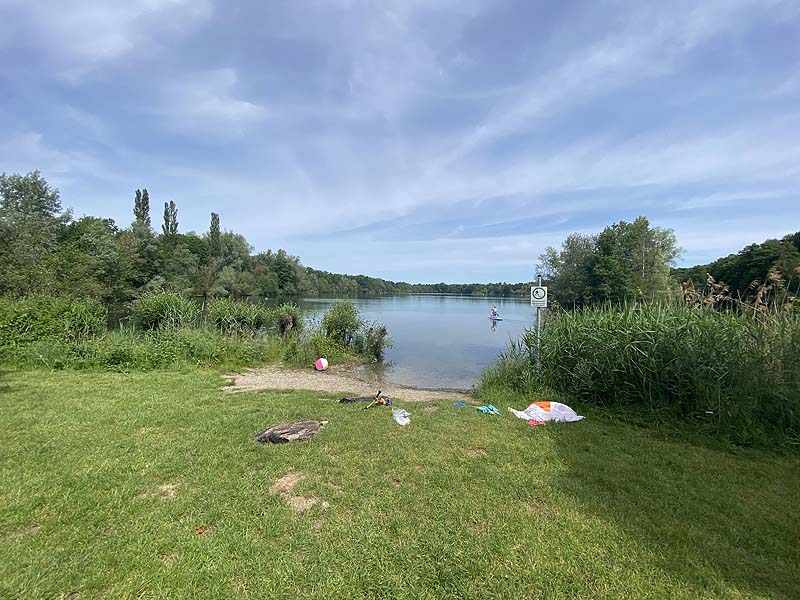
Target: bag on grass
547,411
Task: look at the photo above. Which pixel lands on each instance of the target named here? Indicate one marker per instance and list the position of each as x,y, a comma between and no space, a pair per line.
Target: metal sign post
539,300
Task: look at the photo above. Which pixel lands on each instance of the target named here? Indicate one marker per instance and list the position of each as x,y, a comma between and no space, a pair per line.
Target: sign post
539,300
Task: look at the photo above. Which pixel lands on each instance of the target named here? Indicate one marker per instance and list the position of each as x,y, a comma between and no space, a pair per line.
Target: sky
414,140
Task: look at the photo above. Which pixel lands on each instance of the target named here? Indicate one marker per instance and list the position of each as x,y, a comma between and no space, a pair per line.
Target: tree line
746,273
44,249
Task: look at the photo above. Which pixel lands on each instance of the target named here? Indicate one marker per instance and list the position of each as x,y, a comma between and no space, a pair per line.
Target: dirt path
335,380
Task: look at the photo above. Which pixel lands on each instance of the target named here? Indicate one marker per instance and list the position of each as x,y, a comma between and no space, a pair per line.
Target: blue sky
414,140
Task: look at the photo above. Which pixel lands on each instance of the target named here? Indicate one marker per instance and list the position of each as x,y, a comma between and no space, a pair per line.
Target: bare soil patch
537,507
336,380
286,484
476,452
21,531
284,487
166,491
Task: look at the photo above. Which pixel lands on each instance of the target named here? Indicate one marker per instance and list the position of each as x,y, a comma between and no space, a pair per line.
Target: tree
631,260
87,262
567,271
141,208
31,221
170,226
180,268
650,253
214,240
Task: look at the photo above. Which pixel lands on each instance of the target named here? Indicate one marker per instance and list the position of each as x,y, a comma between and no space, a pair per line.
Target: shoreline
340,379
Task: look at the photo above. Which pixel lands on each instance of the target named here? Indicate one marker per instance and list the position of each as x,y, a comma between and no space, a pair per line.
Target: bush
341,322
372,341
163,310
287,318
42,317
238,318
732,374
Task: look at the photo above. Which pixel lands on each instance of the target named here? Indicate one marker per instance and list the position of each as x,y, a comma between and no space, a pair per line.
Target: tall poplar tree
170,226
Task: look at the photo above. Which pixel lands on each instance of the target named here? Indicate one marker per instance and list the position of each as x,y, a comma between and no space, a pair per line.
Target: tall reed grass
733,374
43,317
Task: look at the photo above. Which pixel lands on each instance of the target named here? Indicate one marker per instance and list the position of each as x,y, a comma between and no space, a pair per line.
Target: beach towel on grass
547,411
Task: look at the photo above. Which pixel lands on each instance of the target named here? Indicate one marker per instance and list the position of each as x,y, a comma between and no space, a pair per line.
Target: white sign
539,296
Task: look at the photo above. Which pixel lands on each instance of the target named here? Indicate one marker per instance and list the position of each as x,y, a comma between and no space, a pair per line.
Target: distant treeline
43,249
746,270
321,283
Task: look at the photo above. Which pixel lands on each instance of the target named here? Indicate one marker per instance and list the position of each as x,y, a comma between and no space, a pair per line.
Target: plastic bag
547,411
402,416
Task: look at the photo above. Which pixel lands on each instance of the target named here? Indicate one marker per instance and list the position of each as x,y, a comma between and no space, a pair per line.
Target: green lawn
106,478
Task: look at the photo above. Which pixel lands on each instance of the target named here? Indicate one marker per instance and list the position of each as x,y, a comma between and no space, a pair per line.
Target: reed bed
733,373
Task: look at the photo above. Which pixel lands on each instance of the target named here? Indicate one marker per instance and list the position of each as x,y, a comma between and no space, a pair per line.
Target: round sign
538,293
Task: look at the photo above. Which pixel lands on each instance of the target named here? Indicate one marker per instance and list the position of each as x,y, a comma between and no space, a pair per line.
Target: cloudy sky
410,139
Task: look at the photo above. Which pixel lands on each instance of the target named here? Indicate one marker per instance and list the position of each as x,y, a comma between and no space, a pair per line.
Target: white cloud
208,102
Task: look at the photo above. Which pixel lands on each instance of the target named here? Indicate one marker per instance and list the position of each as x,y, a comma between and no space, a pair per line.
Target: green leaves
625,261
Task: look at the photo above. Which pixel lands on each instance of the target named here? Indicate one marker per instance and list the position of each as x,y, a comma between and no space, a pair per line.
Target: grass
456,505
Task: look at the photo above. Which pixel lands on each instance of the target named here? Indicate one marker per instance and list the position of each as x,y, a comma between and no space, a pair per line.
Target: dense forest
44,249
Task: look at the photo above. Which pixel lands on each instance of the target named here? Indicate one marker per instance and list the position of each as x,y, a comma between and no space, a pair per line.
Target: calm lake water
440,341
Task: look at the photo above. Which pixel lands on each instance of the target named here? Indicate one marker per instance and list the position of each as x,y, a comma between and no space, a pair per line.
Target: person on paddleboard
493,313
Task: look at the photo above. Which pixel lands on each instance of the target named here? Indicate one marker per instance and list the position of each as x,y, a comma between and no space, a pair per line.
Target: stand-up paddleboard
495,319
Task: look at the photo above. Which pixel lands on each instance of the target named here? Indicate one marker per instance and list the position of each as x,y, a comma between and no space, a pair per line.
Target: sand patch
336,380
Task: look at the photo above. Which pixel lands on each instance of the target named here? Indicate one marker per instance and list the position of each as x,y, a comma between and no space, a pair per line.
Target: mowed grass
151,486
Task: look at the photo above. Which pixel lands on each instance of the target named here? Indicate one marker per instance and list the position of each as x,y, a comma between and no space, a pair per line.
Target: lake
439,341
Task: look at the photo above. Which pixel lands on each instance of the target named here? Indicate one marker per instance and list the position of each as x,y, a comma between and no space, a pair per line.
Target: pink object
534,422
321,364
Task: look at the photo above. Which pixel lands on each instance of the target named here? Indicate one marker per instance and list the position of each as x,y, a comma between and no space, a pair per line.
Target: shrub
371,341
163,310
42,317
287,318
234,317
341,322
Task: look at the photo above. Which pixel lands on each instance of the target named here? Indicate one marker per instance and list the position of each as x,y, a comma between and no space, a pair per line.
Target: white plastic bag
402,416
547,411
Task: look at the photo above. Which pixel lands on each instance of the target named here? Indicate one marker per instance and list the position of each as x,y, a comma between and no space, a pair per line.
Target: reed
733,373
